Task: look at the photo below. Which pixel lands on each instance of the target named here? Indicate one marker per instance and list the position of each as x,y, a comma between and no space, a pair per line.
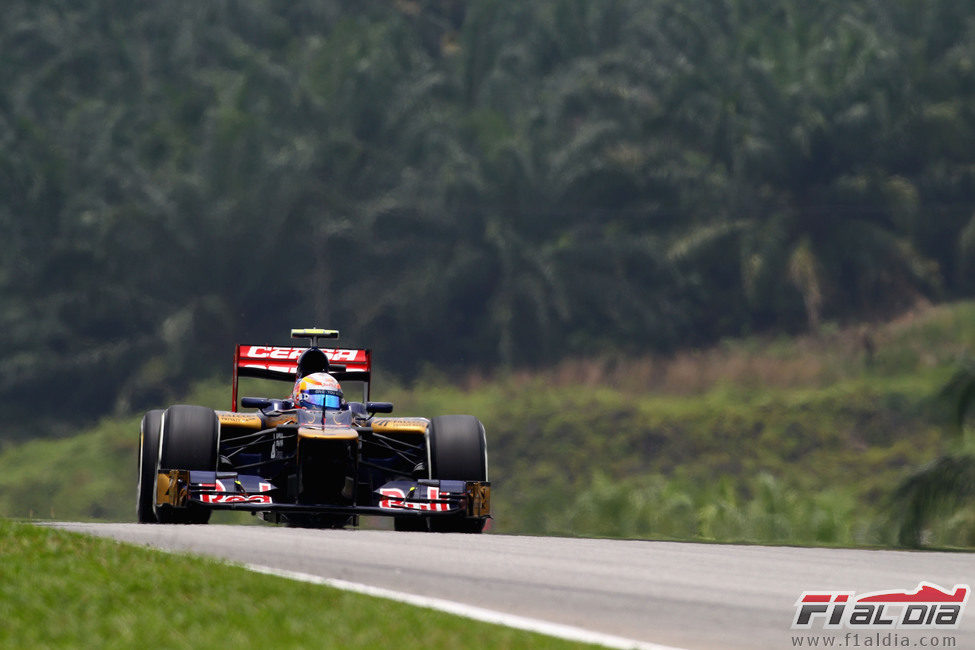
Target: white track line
469,611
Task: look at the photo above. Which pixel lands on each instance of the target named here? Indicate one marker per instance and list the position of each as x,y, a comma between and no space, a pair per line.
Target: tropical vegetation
478,183
469,186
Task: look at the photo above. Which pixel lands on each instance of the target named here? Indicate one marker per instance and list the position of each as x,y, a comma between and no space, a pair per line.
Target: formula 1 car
308,467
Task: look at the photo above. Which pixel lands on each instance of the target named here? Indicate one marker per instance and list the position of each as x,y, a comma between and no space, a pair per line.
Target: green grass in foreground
61,589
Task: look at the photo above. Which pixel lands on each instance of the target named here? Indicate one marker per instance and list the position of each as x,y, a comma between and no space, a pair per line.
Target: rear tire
458,451
190,440
148,462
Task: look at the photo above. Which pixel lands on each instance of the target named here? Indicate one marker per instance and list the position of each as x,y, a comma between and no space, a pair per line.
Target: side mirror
358,410
255,402
379,407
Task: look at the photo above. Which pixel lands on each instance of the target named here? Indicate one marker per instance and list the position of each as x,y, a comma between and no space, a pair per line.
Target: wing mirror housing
265,403
255,402
379,407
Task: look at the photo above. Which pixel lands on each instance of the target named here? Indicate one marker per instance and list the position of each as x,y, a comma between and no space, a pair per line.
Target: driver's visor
320,399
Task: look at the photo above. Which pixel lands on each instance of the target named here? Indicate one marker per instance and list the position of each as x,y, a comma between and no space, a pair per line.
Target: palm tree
782,101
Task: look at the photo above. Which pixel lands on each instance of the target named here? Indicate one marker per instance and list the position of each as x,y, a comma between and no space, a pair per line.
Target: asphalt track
674,594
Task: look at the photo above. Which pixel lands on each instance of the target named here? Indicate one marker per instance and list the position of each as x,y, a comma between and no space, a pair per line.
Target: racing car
319,465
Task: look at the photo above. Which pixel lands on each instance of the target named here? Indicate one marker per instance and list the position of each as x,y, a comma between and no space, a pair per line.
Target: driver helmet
318,390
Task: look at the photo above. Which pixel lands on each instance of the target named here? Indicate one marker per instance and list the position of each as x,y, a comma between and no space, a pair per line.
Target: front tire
148,463
190,440
458,451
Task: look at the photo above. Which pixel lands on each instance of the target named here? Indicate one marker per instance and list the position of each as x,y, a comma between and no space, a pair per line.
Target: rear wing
281,363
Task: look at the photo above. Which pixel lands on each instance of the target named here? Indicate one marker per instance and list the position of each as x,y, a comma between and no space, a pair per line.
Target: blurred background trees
467,183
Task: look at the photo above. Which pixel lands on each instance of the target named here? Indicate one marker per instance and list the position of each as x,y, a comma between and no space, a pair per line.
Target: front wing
232,491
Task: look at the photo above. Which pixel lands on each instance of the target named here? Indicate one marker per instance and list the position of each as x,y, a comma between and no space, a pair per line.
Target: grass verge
61,589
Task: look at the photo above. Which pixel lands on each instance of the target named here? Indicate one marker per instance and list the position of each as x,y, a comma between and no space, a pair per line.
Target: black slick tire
190,439
458,451
148,462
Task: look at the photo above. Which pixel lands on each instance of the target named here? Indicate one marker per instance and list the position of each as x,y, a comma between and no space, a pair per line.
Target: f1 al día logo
927,607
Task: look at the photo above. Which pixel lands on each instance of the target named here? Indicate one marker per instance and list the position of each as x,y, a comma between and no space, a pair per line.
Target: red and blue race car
313,467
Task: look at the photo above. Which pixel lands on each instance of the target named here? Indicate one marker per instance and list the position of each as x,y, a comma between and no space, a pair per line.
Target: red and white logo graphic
285,359
226,496
397,500
927,607
292,354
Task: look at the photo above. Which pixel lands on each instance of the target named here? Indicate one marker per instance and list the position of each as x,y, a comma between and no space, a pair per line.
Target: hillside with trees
466,185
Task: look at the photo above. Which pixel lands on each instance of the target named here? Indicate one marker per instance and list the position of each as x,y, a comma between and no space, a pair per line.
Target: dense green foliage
798,441
466,184
945,487
65,590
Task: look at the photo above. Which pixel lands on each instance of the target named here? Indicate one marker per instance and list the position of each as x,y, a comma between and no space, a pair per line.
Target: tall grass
762,509
921,339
